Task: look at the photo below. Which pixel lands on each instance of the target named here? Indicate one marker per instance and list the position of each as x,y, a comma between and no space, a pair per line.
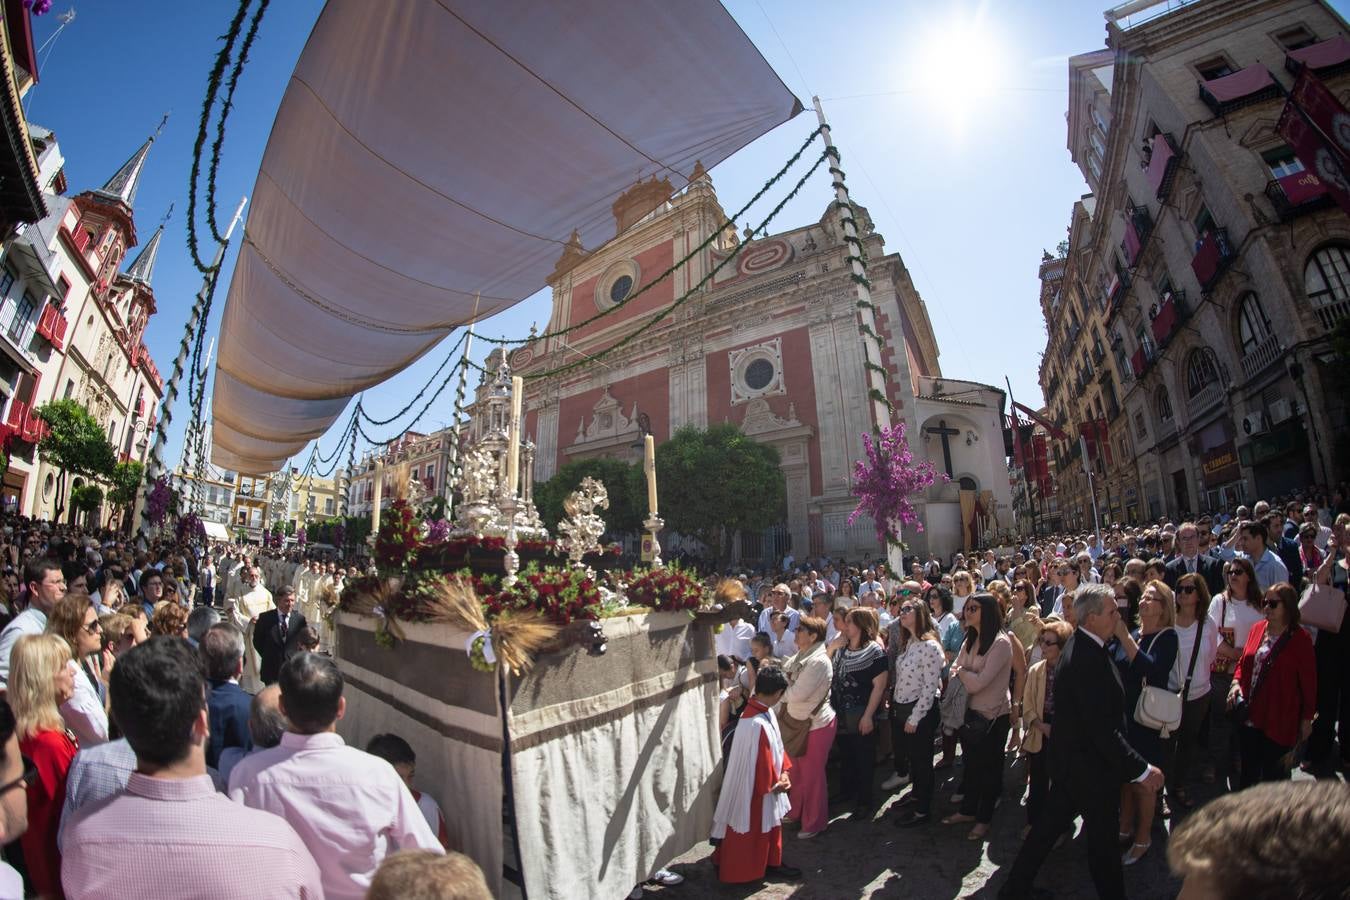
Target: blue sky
950,118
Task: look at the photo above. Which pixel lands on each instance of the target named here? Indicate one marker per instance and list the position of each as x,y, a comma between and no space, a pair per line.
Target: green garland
212,88
730,222
664,313
225,108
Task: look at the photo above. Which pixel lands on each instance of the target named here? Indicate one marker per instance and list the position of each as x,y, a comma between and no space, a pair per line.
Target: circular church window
759,374
620,288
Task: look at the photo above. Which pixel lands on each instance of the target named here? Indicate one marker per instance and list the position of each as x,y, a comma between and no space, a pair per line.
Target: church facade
771,344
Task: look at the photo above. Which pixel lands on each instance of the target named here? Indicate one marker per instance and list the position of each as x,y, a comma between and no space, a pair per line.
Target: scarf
847,661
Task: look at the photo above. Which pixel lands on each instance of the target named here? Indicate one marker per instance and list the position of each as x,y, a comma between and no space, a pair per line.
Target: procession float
562,706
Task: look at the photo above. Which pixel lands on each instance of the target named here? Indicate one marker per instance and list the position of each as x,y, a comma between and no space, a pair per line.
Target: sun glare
957,65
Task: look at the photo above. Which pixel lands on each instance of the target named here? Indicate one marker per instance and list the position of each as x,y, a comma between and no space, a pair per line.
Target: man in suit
1190,559
1089,756
276,632
227,706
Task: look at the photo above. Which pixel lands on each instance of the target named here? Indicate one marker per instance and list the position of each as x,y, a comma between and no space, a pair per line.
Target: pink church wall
650,390
652,262
800,380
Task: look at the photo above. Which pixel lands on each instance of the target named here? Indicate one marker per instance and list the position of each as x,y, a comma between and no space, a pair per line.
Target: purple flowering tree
887,481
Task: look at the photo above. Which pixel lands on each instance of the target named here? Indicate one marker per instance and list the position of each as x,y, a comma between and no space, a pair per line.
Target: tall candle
378,496
513,435
649,464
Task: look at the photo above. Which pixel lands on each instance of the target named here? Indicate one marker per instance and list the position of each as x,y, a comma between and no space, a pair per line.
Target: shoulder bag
795,731
1238,712
1160,709
1323,607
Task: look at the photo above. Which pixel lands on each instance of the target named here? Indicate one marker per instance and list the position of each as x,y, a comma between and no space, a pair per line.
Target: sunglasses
906,593
93,627
1049,642
1186,589
1270,604
1065,571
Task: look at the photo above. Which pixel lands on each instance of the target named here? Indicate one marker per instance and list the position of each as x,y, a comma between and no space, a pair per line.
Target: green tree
623,482
75,443
715,483
85,498
126,481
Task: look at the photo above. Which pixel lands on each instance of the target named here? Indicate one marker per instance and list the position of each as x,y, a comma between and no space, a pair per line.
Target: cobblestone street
875,859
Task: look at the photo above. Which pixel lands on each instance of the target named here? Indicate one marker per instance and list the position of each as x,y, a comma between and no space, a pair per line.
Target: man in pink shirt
351,808
158,692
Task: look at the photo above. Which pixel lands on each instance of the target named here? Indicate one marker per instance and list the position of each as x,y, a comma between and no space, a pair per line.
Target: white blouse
918,676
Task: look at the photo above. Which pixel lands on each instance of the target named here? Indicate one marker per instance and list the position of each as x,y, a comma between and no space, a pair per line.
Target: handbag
953,707
1160,709
974,727
795,731
1323,607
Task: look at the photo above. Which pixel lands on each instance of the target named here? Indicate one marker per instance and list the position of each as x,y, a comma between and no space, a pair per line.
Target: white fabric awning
428,149
216,531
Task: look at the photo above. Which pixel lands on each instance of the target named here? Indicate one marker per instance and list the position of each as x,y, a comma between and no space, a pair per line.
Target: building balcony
1171,314
1208,397
1261,357
1326,58
1294,195
1138,225
1331,312
1165,430
1161,165
1244,87
1212,255
1143,359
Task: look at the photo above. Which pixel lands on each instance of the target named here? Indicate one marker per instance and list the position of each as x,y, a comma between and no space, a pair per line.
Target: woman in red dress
41,679
747,826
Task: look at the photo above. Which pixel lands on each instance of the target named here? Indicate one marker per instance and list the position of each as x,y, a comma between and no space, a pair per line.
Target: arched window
1326,280
969,484
1253,326
1164,404
1200,371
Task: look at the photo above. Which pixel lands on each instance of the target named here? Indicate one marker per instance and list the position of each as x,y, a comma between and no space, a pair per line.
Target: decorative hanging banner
1316,125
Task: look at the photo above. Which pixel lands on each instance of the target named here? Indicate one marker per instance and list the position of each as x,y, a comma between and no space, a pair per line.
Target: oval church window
620,288
968,484
759,374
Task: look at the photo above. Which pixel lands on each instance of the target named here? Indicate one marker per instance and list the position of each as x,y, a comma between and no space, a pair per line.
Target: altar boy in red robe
748,824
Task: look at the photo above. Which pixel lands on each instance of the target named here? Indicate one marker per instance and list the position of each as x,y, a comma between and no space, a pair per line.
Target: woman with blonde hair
73,620
963,588
1038,716
1150,654
170,619
40,681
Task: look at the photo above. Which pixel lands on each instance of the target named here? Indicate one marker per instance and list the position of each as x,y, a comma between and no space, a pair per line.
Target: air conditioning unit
1254,424
1280,410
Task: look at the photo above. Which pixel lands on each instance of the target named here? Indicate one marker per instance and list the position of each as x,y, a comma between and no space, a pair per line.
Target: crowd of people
168,696
1130,672
127,723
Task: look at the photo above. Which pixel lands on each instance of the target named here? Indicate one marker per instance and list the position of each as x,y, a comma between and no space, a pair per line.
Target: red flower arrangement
397,544
669,589
561,595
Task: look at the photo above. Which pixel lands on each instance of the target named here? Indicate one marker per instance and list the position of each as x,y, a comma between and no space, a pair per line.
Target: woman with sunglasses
984,667
74,621
1038,716
1150,654
1197,646
40,681
1233,612
1274,692
916,681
